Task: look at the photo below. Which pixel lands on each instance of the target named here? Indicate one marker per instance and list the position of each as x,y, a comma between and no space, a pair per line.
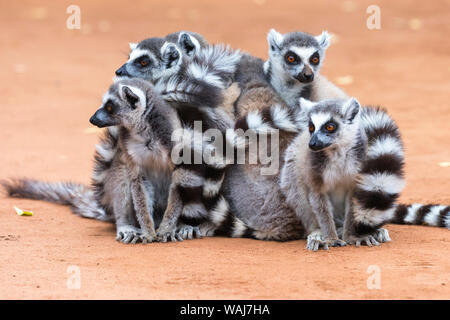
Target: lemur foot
167,232
207,229
128,234
169,236
379,236
382,235
367,240
316,240
189,233
148,237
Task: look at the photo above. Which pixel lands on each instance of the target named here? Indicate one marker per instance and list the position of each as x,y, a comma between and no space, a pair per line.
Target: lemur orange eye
143,62
314,59
311,128
109,108
330,127
291,58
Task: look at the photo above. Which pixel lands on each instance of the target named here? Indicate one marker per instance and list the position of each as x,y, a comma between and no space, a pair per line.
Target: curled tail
275,117
265,121
215,64
418,214
190,92
209,72
381,177
79,197
200,185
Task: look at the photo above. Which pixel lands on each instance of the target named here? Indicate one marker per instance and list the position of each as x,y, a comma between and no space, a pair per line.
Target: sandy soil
53,78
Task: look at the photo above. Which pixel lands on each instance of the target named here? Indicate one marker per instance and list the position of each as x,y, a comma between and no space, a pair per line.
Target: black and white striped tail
224,222
418,214
190,92
79,197
200,193
275,117
215,64
381,177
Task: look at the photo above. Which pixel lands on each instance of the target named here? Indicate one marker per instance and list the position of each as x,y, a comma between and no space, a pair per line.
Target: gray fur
78,196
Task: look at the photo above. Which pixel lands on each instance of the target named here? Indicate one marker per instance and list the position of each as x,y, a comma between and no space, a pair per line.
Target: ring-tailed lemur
337,169
294,64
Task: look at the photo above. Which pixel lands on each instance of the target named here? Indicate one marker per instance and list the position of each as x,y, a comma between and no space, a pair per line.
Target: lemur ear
306,105
350,109
133,45
170,54
275,40
134,96
188,43
323,39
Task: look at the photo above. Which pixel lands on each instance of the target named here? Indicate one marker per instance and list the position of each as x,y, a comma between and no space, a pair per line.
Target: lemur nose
121,71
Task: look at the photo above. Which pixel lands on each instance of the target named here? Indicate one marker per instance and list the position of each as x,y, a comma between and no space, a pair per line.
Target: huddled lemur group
341,164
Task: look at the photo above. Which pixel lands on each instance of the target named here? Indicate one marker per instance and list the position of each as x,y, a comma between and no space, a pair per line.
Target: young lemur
346,159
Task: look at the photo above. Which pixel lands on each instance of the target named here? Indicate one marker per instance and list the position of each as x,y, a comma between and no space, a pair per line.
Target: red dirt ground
53,79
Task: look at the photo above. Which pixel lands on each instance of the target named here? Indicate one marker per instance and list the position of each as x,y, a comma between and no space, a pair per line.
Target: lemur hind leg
143,206
118,189
168,227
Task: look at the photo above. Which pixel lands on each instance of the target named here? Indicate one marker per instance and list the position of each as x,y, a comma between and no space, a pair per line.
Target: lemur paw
207,229
316,240
382,235
168,233
379,236
189,233
128,234
148,237
169,236
367,240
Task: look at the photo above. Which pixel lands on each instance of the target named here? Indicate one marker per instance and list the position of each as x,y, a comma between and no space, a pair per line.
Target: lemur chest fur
339,172
338,182
148,154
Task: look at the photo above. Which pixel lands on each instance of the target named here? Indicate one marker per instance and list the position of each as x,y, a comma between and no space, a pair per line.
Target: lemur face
124,104
297,55
330,123
154,58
